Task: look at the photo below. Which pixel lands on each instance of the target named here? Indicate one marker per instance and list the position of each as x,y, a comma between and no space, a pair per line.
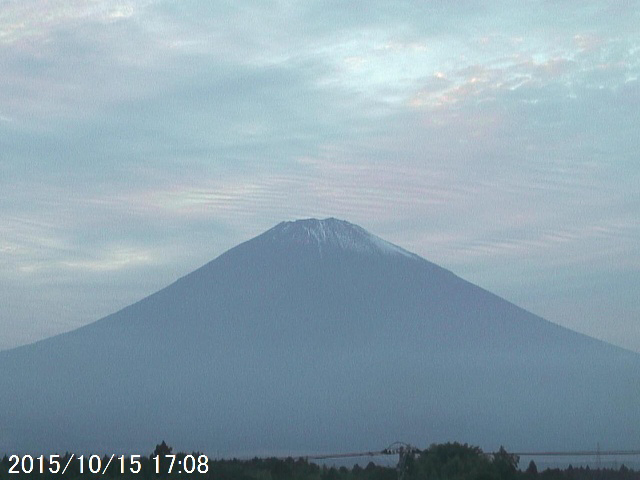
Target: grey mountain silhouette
318,336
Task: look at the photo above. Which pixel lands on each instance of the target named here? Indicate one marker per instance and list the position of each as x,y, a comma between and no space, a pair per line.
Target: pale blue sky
141,139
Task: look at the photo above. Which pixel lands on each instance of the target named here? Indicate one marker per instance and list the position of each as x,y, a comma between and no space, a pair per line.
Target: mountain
317,336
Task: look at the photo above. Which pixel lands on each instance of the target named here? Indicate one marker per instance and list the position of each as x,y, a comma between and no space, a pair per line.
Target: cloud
28,21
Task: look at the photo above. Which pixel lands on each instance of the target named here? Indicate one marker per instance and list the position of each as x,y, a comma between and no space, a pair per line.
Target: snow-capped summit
333,233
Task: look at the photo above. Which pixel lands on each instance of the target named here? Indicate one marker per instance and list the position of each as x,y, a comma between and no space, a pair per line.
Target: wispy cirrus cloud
22,22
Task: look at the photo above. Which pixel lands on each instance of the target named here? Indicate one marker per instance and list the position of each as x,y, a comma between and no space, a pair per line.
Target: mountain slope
318,336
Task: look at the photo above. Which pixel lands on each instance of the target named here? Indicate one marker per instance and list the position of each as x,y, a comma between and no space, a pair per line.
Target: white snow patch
332,232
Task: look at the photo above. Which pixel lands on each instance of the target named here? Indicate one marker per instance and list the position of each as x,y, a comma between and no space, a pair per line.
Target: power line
579,453
399,447
405,450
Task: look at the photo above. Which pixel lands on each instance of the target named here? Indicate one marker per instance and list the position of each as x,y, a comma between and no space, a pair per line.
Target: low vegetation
451,461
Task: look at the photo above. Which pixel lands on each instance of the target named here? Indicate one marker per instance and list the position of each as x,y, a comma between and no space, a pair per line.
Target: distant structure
404,451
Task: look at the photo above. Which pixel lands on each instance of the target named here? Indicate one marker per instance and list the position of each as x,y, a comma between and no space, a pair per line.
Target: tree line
449,461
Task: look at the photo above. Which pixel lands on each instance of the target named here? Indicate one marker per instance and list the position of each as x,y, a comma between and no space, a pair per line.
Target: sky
141,139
